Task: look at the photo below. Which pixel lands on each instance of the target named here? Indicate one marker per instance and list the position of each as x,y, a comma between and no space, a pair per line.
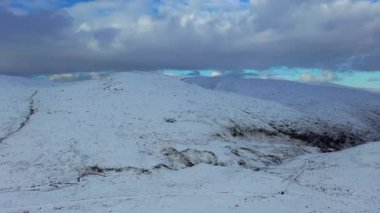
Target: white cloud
322,77
214,34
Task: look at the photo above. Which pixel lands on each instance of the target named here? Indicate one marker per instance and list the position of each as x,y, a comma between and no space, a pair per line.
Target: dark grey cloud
106,35
28,41
191,34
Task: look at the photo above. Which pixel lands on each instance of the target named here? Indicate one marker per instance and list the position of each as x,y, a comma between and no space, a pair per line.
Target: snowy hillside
333,109
138,142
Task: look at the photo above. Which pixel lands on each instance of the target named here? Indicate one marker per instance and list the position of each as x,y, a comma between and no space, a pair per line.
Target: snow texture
138,142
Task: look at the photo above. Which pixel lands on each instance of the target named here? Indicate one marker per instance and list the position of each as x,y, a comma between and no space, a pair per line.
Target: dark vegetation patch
333,139
50,186
175,160
102,171
327,141
242,131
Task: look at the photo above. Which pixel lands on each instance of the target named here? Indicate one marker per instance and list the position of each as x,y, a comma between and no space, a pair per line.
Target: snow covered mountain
343,114
140,142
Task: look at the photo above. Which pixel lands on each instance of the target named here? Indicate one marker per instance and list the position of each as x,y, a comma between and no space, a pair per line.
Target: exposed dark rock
176,157
170,120
242,162
188,158
31,112
162,166
253,159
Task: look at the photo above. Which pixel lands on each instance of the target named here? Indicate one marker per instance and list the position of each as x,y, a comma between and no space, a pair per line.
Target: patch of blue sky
358,79
30,7
244,3
69,3
189,73
178,73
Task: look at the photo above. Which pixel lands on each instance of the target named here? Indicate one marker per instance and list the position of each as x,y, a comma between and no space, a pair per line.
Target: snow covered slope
332,108
144,142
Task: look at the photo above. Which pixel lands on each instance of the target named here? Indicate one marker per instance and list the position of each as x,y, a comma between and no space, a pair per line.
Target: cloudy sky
58,36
